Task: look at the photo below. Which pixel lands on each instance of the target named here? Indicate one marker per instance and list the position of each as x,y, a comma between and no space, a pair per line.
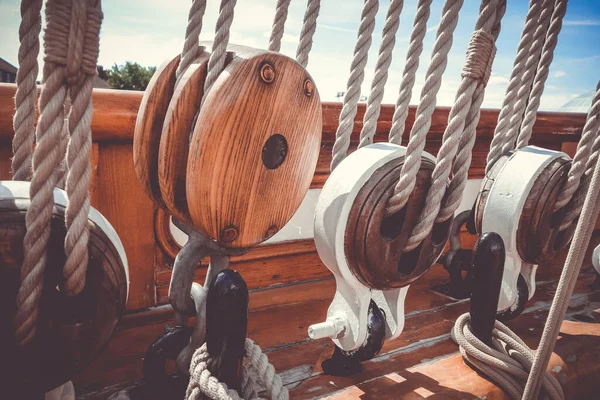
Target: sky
150,31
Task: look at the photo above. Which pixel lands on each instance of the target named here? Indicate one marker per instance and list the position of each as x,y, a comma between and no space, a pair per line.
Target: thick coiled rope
410,71
71,52
522,76
433,81
464,113
24,119
192,33
386,49
258,370
357,75
309,26
216,61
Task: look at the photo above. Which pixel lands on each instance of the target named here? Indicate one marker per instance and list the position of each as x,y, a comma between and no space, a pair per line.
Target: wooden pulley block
538,238
70,330
164,124
237,168
375,242
254,148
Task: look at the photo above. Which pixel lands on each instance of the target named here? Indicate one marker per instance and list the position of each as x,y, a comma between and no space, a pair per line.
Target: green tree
131,76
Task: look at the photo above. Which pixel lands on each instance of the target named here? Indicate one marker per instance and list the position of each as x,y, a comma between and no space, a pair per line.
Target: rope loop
257,371
480,56
72,38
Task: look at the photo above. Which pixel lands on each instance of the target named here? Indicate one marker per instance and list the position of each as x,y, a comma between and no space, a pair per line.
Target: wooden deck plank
280,329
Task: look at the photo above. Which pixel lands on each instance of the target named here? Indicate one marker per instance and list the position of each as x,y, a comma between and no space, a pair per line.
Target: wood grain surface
233,196
175,139
149,126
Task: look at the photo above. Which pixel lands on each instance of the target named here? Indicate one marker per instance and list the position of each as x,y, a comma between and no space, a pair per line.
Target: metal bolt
229,234
271,232
309,88
333,327
267,73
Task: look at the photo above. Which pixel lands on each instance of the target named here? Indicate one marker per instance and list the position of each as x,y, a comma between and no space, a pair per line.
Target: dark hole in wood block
274,151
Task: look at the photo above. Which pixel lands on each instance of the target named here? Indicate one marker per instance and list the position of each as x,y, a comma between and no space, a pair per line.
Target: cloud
560,74
581,22
498,79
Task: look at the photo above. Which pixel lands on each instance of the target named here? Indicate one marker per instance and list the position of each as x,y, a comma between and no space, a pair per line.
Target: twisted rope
476,72
524,67
216,62
507,362
39,213
309,27
542,73
77,187
257,371
192,33
574,207
582,154
384,60
433,81
410,70
281,14
71,52
24,118
460,167
357,75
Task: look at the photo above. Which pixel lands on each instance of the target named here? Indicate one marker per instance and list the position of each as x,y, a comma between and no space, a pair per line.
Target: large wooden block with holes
236,162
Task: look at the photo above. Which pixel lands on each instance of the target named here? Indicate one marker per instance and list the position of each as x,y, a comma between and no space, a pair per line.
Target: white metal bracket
503,210
346,321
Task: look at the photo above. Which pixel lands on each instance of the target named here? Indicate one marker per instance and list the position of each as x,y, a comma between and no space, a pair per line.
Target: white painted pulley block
346,321
503,210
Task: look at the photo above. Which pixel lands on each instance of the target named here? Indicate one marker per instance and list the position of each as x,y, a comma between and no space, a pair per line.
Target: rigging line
524,67
281,14
410,71
384,60
433,82
357,74
309,26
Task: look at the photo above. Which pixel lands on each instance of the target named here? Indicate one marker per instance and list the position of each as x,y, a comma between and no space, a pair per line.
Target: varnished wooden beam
115,112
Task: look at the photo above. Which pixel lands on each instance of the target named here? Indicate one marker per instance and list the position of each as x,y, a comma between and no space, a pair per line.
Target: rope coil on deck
507,363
